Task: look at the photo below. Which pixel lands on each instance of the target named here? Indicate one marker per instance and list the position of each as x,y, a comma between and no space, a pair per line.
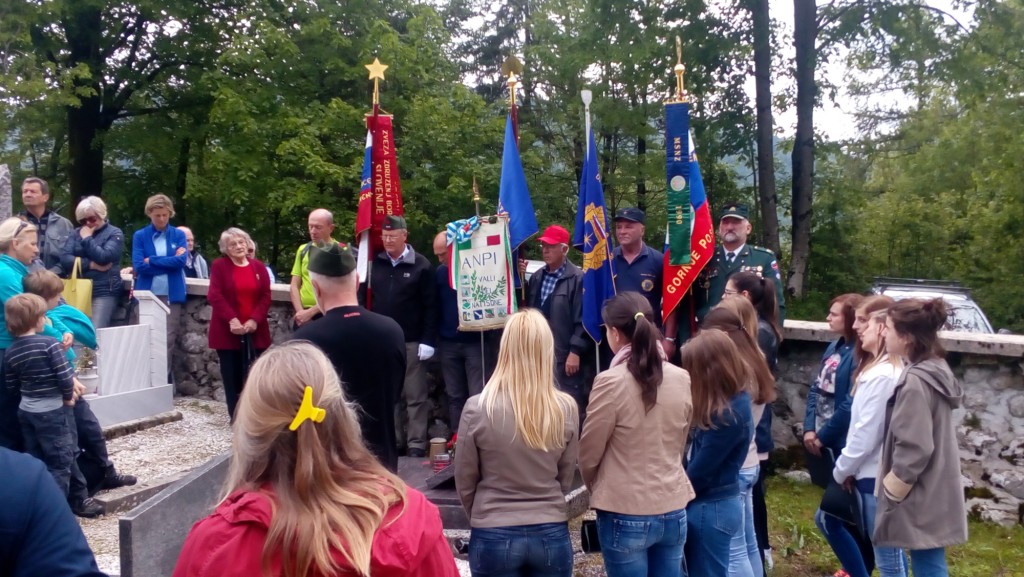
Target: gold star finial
376,69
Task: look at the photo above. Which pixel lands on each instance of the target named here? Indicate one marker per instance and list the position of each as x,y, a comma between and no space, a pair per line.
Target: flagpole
512,82
483,355
587,97
376,70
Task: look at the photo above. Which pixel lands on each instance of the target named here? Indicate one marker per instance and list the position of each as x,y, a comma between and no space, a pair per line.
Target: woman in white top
857,466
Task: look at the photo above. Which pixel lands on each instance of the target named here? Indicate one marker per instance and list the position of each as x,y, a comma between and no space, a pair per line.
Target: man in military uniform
732,255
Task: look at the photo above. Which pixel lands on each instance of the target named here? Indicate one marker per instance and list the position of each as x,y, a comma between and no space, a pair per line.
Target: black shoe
87,508
117,480
417,453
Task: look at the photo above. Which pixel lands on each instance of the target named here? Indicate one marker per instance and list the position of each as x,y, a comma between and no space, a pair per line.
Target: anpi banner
481,274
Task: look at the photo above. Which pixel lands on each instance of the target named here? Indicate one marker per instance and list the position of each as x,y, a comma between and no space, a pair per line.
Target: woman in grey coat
921,500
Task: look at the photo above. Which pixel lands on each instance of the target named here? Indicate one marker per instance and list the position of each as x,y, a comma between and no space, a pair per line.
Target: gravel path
167,449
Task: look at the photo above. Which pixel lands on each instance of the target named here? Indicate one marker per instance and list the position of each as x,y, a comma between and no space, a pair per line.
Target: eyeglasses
731,292
89,219
391,237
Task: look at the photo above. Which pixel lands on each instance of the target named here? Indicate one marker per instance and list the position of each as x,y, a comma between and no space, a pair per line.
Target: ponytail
631,314
762,295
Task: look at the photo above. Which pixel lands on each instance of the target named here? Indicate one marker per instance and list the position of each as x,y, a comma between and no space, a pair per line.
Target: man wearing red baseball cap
557,292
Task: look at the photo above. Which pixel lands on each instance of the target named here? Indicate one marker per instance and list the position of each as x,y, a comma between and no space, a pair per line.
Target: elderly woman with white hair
99,245
239,295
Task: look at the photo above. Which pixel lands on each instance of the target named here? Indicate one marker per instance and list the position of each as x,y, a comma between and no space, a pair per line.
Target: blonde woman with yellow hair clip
305,497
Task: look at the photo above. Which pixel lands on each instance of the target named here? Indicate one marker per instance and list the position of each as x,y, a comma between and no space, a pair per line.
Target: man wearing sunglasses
54,229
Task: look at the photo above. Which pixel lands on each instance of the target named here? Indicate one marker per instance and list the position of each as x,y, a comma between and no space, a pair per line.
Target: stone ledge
971,343
199,287
127,498
123,429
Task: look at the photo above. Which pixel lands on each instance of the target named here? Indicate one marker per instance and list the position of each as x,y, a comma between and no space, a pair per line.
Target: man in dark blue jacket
38,534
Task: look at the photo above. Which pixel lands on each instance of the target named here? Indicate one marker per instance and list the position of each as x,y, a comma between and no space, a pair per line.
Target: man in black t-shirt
367,349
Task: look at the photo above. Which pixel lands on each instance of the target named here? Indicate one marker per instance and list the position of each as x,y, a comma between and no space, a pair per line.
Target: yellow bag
78,291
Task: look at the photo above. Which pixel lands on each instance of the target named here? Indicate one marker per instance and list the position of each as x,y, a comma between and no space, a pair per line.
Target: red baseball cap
554,234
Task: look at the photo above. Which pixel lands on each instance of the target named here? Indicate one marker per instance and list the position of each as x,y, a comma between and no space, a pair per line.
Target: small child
94,462
35,366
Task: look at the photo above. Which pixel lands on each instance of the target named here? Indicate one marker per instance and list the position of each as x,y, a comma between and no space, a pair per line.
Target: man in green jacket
732,255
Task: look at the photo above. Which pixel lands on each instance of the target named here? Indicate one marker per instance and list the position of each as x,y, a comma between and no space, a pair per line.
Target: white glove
425,352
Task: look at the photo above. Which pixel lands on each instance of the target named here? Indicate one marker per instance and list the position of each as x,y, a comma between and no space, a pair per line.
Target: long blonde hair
525,378
743,309
874,359
329,492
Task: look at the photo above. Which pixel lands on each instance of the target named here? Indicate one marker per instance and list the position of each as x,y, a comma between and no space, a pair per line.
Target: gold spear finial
513,81
679,70
376,75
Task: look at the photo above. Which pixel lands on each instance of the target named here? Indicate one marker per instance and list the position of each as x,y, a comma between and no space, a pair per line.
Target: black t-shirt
368,352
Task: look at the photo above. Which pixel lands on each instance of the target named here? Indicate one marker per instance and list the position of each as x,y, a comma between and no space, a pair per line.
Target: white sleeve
867,424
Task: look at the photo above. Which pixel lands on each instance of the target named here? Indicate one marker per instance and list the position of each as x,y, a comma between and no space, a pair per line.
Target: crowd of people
668,423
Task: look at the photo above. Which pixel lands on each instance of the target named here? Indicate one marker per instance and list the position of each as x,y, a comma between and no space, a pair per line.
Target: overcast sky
833,119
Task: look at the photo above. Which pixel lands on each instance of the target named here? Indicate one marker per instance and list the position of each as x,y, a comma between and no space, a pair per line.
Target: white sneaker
768,562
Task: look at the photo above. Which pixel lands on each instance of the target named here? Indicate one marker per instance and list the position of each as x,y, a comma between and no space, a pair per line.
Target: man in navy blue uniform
637,267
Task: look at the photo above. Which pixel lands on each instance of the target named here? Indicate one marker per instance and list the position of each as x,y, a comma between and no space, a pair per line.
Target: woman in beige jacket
921,500
631,451
516,458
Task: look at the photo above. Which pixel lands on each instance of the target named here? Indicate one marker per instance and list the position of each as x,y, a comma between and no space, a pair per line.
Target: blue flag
513,196
591,236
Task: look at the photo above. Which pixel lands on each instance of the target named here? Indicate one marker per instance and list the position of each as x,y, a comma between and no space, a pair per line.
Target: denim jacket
717,454
833,433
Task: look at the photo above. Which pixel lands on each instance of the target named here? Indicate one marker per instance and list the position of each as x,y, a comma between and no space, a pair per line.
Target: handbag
588,536
77,290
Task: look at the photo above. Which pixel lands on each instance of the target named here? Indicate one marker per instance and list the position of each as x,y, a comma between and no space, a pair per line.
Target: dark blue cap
630,213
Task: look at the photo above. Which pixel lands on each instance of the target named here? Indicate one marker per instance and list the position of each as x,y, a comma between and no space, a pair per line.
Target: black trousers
233,371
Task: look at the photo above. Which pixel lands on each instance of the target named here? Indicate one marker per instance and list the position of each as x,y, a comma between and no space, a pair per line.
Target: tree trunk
85,147
83,26
6,208
769,200
641,178
804,39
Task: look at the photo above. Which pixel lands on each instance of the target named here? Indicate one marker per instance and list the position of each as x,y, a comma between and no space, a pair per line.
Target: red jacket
224,301
229,542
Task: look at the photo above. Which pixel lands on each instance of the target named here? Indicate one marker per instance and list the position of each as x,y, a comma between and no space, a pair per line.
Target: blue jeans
48,438
929,562
102,310
710,527
890,561
840,537
542,550
744,558
642,545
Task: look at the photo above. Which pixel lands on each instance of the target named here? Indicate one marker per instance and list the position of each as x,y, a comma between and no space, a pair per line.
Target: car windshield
964,315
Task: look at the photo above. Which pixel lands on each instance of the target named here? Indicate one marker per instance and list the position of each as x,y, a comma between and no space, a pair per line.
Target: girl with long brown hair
744,553
639,412
921,501
305,497
719,442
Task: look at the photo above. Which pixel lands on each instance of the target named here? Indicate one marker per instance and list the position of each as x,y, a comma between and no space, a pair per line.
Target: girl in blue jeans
857,465
724,427
737,318
921,500
516,458
634,437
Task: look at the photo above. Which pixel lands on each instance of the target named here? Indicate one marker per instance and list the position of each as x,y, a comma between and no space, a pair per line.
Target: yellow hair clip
307,411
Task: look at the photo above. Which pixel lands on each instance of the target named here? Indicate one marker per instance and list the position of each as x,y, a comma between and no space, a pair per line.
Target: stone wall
991,429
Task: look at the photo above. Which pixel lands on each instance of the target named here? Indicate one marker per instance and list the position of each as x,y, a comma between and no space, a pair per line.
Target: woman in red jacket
305,496
240,297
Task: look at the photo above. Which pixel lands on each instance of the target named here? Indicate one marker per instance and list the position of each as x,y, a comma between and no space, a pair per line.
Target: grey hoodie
921,497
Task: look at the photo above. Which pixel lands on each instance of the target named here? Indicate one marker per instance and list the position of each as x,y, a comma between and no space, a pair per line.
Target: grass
801,551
